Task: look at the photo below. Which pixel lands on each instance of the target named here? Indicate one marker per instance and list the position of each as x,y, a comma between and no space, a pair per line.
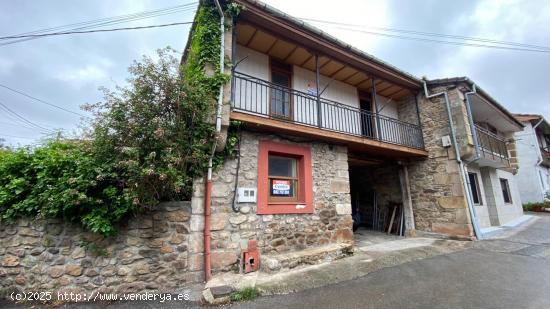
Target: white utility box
246,195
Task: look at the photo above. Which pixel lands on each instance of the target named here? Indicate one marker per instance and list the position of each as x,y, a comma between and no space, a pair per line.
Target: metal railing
492,146
256,96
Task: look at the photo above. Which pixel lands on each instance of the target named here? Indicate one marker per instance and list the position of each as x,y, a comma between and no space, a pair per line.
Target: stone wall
383,179
150,253
330,223
437,191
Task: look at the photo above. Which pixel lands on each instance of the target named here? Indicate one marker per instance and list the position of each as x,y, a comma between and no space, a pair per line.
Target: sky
68,70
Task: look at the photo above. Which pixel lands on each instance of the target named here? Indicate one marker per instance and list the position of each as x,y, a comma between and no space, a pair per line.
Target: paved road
512,272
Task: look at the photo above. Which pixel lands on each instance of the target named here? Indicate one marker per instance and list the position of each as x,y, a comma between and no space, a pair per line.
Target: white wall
340,119
508,212
481,210
250,96
529,181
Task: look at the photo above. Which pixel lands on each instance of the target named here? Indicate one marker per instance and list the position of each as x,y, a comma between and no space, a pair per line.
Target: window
474,188
505,191
284,179
280,102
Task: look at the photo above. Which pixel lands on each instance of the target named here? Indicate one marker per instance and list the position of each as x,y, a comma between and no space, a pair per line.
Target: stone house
329,132
534,156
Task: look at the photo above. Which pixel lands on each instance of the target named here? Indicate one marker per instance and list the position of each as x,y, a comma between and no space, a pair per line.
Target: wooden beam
291,53
349,77
338,71
271,47
353,142
307,60
251,37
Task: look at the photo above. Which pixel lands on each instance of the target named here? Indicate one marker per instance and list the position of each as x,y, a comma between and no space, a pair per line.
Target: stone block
218,221
197,223
343,209
452,229
222,259
197,205
452,202
238,219
10,261
339,186
178,216
73,270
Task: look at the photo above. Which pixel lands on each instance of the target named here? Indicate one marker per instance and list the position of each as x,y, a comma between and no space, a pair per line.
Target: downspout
458,159
208,189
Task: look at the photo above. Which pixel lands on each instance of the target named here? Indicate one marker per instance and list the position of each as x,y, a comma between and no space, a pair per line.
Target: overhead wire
42,101
506,45
103,30
6,108
103,22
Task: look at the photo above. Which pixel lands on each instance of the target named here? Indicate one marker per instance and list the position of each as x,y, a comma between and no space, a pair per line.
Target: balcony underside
354,143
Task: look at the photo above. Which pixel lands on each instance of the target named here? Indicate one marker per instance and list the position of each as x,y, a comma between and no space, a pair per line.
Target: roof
300,23
479,90
534,119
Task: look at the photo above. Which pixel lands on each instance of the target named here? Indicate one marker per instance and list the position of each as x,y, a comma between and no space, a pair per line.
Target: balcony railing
492,146
260,97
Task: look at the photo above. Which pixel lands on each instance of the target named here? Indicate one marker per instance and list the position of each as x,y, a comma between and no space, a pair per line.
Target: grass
245,294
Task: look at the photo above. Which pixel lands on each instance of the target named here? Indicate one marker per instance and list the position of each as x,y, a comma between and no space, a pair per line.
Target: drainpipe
471,208
208,189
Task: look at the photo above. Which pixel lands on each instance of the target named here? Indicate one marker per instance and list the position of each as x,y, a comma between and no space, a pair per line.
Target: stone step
272,263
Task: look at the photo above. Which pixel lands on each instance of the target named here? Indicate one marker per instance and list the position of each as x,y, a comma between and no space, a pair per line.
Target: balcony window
506,191
284,179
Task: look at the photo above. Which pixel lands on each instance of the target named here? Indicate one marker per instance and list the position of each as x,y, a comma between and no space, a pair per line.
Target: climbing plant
146,143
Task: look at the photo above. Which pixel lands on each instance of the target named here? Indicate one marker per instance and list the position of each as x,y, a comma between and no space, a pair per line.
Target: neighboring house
328,131
485,132
534,155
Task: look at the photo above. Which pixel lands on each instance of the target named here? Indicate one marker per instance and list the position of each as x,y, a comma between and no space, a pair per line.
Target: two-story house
534,156
330,136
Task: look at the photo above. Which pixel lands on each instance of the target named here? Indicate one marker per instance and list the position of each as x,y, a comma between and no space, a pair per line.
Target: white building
533,143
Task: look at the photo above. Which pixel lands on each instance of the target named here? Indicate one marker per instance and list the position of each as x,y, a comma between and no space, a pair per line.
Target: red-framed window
285,184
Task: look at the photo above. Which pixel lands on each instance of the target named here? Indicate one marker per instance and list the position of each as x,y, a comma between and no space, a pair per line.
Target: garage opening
377,201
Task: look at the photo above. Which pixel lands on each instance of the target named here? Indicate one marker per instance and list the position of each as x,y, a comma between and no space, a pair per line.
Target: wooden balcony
276,108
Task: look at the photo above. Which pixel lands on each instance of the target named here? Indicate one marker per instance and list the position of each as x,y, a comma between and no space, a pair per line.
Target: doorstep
364,261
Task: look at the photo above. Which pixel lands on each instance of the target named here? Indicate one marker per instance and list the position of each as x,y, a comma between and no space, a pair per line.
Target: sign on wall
311,88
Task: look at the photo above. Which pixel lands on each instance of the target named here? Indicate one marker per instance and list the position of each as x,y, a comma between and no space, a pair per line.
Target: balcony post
377,107
317,91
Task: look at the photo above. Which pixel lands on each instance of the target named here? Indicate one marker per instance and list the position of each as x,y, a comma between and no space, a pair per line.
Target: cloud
86,74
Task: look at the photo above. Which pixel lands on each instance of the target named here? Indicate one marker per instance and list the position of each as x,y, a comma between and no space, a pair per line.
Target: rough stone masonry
330,223
150,253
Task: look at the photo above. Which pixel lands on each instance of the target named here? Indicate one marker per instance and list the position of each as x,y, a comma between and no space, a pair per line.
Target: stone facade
150,253
329,224
437,190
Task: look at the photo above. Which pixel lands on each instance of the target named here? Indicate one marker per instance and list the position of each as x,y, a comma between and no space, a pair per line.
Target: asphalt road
512,272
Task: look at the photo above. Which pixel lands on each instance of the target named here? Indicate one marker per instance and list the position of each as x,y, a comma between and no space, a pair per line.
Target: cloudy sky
68,70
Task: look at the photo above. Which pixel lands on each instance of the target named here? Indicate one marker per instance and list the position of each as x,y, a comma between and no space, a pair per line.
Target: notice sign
280,188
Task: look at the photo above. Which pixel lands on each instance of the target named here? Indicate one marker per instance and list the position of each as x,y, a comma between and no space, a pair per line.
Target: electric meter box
246,195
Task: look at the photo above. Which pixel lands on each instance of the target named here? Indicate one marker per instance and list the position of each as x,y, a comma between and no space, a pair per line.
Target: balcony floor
354,143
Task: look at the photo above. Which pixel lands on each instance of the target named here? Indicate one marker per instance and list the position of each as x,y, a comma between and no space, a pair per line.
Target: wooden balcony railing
260,97
492,146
